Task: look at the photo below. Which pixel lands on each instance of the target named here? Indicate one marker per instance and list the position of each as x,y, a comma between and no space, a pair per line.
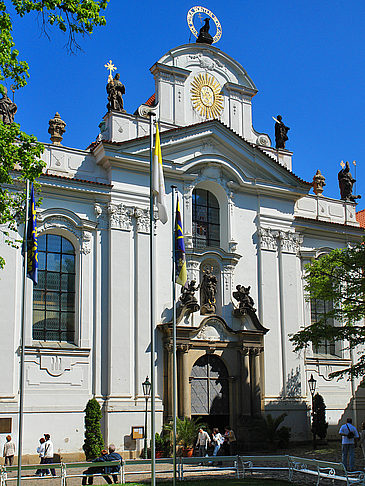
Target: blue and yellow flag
32,244
180,262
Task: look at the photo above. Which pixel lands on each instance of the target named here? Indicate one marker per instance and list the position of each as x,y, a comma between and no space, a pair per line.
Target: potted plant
276,436
159,445
186,434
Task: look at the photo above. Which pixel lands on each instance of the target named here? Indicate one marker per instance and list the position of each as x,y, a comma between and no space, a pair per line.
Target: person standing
349,435
202,442
40,451
9,451
48,452
218,440
231,440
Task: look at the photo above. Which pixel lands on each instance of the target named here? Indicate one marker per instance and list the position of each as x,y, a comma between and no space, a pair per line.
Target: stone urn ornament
57,128
318,183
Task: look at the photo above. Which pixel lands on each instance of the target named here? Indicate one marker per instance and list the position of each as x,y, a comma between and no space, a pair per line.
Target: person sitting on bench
113,470
90,471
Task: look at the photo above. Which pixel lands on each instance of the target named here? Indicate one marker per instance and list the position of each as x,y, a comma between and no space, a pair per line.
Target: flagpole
152,304
22,329
174,367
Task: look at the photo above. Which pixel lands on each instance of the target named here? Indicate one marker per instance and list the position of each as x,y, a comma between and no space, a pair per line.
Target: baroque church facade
248,219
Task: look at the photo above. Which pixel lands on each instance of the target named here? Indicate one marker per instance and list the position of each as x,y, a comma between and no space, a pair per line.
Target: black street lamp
146,387
312,388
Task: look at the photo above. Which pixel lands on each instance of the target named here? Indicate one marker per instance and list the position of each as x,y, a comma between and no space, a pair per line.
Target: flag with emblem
180,261
32,245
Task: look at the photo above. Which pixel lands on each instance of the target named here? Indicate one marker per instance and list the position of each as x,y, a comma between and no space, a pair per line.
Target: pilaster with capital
256,380
290,242
268,238
142,217
102,216
120,217
192,267
184,372
246,381
169,391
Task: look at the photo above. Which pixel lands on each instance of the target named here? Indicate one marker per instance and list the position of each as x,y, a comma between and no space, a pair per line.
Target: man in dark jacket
95,470
113,470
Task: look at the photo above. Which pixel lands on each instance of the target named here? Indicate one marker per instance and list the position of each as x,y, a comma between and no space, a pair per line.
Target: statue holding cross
115,89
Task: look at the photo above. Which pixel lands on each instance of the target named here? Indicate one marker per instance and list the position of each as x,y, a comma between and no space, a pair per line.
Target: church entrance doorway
210,391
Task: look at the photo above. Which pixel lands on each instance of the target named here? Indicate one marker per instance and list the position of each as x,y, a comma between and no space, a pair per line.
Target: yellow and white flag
158,183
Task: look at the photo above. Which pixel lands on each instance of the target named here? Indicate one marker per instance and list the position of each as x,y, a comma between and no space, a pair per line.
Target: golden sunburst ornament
206,96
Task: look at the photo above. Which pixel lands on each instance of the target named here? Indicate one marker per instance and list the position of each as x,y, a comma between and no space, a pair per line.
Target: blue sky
305,57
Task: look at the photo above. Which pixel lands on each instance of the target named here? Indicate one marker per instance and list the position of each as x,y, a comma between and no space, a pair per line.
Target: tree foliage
19,160
338,277
20,153
319,424
94,442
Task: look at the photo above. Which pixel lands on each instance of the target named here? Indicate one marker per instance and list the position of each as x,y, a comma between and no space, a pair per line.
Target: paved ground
331,452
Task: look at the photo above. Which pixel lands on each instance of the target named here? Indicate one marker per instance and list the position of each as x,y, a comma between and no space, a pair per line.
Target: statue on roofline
204,36
281,133
346,182
115,89
7,108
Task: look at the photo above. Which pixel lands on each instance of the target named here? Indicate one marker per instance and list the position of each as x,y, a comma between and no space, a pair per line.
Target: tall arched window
206,227
54,296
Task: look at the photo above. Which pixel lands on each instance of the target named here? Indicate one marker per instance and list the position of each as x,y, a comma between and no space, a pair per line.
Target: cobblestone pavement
330,452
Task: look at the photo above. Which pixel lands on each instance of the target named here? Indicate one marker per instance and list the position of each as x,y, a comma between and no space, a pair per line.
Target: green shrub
319,424
94,442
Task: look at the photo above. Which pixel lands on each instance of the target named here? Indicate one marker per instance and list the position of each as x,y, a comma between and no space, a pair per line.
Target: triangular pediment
190,150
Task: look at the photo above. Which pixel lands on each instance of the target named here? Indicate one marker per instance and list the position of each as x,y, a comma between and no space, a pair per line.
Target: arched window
206,227
54,296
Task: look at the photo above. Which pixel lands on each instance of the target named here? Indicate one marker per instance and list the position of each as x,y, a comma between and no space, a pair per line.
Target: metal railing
238,465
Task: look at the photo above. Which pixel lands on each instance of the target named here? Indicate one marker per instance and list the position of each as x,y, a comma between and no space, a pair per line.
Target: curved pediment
215,329
197,57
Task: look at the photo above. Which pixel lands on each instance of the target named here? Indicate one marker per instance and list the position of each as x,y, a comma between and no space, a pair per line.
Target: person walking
9,451
48,453
202,442
218,440
362,439
40,451
231,440
349,435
